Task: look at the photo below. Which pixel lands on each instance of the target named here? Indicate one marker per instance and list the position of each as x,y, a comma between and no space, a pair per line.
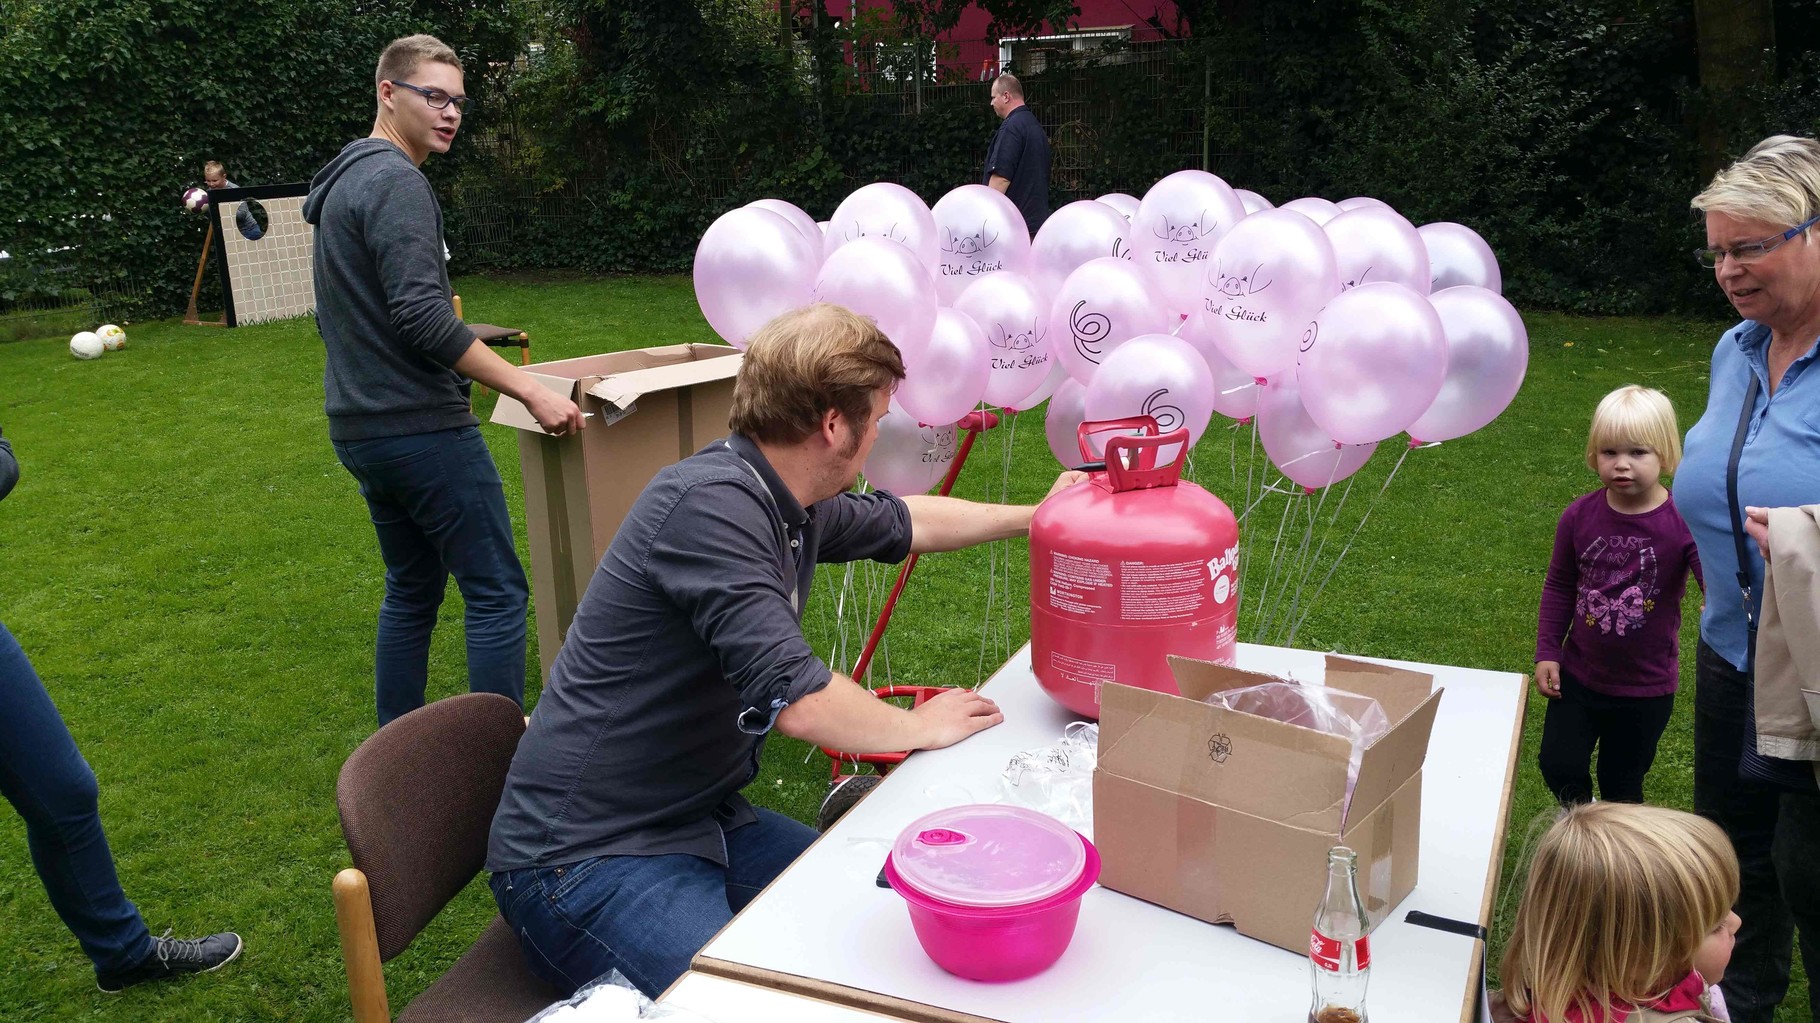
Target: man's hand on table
952,715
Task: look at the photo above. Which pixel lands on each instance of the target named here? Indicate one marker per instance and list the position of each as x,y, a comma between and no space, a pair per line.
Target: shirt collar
788,507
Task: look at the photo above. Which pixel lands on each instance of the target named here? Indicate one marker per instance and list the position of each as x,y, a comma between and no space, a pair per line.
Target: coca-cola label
1325,951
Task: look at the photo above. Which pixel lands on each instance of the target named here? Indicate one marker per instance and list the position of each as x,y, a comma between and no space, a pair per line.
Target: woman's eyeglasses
1750,252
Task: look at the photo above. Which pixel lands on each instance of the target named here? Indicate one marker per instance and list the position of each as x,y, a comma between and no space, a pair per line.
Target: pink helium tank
1128,568
1013,878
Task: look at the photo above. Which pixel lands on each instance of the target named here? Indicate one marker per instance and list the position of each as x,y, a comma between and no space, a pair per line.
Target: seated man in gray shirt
622,841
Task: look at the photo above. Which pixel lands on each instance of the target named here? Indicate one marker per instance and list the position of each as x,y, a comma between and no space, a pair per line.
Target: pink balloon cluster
1315,317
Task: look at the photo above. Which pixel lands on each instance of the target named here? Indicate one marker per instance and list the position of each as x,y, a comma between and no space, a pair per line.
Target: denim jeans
45,778
1775,834
439,509
645,916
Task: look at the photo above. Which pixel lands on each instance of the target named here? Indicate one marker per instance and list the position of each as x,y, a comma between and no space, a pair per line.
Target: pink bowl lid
988,855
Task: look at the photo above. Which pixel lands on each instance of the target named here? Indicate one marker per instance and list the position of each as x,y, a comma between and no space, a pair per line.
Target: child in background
1608,639
1626,918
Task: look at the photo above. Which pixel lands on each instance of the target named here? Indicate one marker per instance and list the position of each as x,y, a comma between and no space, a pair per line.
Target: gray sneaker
172,957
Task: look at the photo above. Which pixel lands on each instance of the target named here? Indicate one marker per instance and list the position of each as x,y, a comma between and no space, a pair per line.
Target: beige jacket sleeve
1788,638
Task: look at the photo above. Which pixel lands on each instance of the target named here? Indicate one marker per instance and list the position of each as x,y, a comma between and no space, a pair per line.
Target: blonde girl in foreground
1626,917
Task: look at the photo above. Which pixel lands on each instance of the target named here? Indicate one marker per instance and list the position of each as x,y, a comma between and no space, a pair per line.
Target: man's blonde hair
806,362
1635,415
402,57
213,167
1618,899
1778,181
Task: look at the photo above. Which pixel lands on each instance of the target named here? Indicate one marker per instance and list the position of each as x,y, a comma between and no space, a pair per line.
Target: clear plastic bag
612,999
1357,719
1058,779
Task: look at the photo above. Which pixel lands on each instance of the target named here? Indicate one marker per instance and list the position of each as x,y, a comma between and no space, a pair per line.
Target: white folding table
825,929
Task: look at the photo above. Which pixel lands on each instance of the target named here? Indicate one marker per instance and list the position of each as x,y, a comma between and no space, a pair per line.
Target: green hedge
109,108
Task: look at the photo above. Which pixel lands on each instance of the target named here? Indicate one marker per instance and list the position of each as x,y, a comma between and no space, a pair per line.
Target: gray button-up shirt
687,644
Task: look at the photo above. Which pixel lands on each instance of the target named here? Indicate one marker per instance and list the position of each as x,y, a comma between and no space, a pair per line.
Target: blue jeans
645,916
45,778
439,509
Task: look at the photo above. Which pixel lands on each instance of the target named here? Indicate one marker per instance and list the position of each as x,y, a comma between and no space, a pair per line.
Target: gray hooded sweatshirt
383,300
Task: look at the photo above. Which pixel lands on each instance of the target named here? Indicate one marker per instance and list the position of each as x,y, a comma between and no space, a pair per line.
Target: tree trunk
1736,44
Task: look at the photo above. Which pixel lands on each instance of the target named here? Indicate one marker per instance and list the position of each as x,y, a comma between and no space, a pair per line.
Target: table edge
1482,954
837,994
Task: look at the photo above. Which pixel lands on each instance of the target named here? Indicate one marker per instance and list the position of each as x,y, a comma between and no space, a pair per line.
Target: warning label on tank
1087,673
1078,585
1164,592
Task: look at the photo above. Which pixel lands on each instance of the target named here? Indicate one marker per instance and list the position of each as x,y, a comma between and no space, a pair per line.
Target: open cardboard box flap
617,380
622,390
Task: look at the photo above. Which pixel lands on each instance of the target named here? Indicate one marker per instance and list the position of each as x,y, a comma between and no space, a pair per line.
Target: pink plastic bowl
1002,943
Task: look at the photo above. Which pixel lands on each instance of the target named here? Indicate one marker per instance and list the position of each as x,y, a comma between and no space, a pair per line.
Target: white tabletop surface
824,921
718,1000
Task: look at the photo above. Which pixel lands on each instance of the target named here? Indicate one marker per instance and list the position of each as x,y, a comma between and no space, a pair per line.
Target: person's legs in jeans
758,852
414,575
479,550
45,778
439,508
1757,977
1568,736
1796,851
645,916
1629,728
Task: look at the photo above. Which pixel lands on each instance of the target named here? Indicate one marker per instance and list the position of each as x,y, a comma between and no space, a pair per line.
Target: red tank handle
1144,476
1147,425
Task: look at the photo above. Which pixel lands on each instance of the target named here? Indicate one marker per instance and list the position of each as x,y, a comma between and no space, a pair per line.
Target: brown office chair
416,802
498,337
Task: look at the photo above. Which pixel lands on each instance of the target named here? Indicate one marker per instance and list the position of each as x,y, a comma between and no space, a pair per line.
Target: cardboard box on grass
1228,817
652,407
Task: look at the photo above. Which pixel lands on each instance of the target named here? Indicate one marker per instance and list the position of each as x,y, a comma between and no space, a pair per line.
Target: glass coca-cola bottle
1339,952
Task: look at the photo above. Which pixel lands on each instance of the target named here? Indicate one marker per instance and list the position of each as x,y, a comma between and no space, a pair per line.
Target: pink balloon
1314,208
1175,229
881,279
1360,202
1158,376
1457,255
1254,202
1270,276
979,232
1372,362
945,380
1062,423
1101,305
1235,392
908,457
1015,318
1487,355
1300,449
884,210
1074,234
1375,243
1127,205
1044,390
751,266
805,224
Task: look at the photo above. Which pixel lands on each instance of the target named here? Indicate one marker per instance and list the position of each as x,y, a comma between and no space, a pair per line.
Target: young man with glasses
400,365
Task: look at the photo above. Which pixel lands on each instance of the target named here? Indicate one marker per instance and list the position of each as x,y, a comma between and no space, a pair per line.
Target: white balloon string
1289,565
1251,461
1355,535
1276,558
1299,572
1311,562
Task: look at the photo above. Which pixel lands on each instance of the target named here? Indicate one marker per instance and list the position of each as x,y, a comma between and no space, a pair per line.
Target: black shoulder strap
1739,536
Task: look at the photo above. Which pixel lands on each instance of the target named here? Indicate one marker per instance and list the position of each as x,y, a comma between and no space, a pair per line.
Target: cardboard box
652,408
1228,817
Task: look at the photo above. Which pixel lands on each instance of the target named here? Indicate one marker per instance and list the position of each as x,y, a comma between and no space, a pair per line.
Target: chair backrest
417,800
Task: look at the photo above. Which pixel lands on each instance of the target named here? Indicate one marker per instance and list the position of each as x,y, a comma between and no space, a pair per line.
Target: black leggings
1624,728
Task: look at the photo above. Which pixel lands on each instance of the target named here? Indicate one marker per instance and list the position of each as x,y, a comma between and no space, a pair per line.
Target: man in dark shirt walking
396,381
621,841
1017,164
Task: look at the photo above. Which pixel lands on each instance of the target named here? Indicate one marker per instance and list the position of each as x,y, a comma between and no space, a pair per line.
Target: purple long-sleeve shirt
1611,602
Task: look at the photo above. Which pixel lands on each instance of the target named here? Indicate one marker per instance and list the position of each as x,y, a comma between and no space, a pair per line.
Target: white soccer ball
86,345
195,199
112,337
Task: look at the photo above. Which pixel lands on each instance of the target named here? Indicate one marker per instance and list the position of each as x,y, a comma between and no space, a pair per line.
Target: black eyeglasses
436,98
1752,251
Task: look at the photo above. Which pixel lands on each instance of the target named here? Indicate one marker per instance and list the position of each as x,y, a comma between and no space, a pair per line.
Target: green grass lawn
195,578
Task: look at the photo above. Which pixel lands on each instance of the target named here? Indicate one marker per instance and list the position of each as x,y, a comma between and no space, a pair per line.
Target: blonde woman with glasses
1758,444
